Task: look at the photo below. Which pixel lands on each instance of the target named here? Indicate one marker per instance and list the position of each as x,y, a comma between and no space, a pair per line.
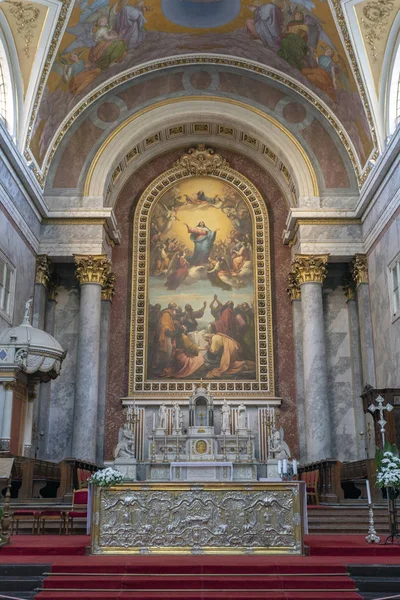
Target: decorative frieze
43,267
293,288
310,268
360,269
92,269
108,289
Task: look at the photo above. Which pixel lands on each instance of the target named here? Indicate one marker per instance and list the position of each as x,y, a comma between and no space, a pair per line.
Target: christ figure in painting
203,239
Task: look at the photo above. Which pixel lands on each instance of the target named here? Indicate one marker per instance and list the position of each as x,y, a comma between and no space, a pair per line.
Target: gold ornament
201,161
25,17
201,447
310,268
108,289
92,269
349,287
360,269
43,266
293,288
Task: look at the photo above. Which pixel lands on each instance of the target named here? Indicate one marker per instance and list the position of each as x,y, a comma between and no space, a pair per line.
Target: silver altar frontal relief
208,518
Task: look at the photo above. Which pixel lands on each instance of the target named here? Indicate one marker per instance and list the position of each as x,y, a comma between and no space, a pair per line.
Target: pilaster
360,277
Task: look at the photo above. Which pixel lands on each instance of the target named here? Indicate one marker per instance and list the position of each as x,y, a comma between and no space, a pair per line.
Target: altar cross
373,407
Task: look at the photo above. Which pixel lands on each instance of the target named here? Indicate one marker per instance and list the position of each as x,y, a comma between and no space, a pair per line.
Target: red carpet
320,576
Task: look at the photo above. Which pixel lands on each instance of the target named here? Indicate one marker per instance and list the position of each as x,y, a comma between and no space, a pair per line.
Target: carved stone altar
209,518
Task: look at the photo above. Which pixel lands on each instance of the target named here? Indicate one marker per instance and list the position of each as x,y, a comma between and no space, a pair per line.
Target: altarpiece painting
202,288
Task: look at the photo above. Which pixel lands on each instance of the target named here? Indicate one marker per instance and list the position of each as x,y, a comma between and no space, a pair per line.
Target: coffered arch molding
218,110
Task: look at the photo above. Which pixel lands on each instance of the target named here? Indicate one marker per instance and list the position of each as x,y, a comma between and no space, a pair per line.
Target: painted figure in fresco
245,329
190,316
227,354
178,270
129,23
324,75
267,23
166,331
76,72
186,358
294,47
109,48
203,239
226,322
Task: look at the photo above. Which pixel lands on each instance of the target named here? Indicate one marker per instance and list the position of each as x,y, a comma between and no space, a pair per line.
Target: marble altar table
198,518
201,471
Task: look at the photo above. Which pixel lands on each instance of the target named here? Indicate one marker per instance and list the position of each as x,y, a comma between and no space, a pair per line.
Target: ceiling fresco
104,38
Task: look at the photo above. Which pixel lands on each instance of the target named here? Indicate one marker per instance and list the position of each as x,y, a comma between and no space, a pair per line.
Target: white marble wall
341,393
386,331
63,388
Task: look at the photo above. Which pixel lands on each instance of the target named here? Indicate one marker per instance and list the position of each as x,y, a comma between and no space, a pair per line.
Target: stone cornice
310,268
92,269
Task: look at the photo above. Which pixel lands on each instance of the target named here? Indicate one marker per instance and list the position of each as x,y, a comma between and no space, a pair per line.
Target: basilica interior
199,250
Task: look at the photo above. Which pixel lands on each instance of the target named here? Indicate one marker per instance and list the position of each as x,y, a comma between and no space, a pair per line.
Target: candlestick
294,466
285,466
368,491
279,467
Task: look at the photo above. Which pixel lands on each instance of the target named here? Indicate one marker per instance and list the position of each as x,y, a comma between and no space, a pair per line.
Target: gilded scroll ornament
92,269
310,268
293,289
375,22
360,269
108,289
201,161
43,266
25,16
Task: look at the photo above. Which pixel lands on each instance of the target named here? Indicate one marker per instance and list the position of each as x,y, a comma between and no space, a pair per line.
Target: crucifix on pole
380,408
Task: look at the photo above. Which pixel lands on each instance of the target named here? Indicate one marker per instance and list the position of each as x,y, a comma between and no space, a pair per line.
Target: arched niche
154,373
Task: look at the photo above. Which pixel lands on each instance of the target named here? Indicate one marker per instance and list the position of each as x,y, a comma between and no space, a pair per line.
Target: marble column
42,423
310,272
106,299
91,273
29,434
356,367
8,390
360,276
294,292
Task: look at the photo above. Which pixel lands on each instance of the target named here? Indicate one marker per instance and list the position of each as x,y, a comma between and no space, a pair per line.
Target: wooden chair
24,515
311,479
51,516
83,476
79,509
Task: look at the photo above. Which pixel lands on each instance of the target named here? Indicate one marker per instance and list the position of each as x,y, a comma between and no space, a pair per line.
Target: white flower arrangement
389,470
106,477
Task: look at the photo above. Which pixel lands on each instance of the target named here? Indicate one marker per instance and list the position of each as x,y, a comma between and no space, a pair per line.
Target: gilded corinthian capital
293,288
43,267
108,289
310,268
92,269
360,269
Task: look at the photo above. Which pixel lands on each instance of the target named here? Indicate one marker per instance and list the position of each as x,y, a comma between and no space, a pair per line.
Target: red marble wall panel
118,366
327,155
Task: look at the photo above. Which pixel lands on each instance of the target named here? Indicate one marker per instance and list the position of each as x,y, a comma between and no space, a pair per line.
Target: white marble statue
279,447
177,417
28,311
242,416
162,416
126,443
226,416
